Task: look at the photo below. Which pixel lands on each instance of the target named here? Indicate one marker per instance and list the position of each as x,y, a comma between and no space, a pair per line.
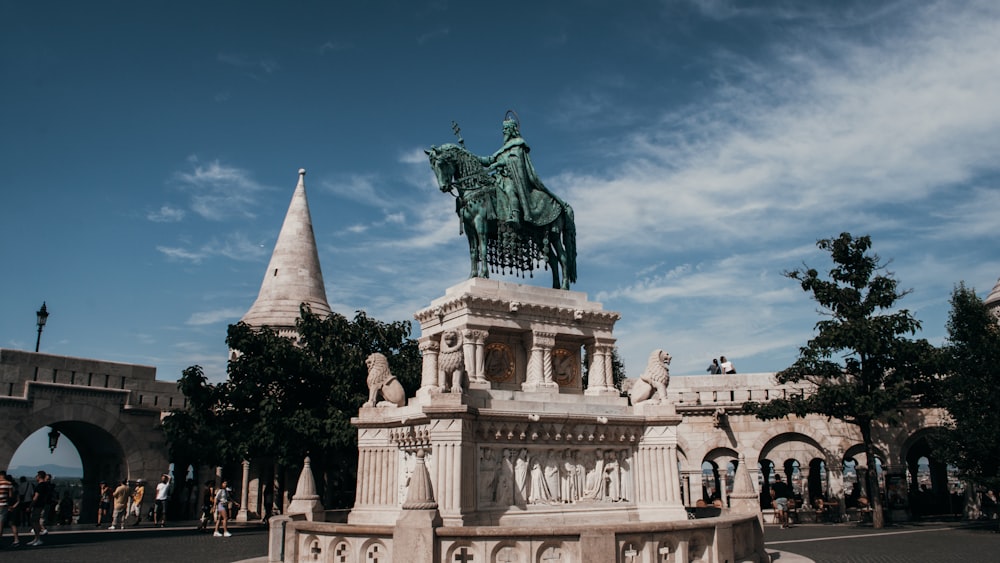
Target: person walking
162,495
222,504
39,503
207,502
120,497
9,504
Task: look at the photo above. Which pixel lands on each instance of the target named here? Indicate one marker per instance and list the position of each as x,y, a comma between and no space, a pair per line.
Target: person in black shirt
39,503
781,492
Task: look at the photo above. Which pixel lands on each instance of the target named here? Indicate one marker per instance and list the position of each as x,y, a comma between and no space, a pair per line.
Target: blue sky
149,150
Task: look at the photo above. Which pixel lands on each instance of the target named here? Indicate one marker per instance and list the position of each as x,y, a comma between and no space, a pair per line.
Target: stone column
243,514
835,483
539,373
429,348
723,485
600,379
475,342
804,480
694,479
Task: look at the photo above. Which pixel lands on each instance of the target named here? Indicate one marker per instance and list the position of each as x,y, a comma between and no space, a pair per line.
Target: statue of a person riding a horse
513,222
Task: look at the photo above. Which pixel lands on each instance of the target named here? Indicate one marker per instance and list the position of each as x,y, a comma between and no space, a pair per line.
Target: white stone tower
293,275
993,301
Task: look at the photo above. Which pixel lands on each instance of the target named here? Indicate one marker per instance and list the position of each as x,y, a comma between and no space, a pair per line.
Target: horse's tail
569,243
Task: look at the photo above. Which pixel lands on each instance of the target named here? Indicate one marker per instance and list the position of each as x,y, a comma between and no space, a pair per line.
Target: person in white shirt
162,494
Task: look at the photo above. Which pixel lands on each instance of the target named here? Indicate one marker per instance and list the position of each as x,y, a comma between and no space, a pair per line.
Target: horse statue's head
444,164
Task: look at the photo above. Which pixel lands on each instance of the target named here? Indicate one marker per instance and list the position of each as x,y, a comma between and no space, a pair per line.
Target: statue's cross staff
458,132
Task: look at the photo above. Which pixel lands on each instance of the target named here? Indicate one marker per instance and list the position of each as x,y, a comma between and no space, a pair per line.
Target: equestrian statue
514,224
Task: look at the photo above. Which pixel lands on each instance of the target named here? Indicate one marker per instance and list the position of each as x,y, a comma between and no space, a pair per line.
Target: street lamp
53,440
43,315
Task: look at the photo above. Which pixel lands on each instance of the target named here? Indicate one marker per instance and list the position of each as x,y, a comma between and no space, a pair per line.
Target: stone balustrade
20,370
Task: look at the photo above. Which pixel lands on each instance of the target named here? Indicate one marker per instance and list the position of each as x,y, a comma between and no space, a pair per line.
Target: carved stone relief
499,366
520,476
565,367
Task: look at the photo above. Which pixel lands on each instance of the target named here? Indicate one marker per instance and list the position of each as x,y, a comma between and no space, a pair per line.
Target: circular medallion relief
499,362
565,366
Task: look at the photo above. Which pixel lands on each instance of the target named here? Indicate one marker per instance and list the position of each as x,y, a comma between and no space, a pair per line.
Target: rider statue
518,179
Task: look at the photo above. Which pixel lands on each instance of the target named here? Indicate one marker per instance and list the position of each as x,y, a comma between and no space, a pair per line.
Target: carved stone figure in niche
652,384
551,471
488,470
505,480
382,382
595,478
567,478
538,489
625,463
612,478
579,474
521,471
451,362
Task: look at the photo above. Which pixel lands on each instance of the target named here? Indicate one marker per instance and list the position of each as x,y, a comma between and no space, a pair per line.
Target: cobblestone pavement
145,544
942,542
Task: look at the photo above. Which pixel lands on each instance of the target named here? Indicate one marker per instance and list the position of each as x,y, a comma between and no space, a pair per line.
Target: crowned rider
517,175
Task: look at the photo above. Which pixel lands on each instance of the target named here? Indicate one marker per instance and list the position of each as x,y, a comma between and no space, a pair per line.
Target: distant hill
55,470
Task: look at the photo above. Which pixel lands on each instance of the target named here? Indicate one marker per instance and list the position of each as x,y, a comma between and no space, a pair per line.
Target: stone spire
306,501
293,276
993,300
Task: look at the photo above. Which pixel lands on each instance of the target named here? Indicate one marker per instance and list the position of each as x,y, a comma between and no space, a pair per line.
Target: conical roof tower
293,276
993,300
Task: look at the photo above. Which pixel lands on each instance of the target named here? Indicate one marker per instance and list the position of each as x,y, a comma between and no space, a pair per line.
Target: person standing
9,503
39,504
222,501
781,492
162,495
120,497
137,495
103,503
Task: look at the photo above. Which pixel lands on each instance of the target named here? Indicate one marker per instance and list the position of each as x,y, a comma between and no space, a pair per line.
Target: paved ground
939,542
145,544
832,543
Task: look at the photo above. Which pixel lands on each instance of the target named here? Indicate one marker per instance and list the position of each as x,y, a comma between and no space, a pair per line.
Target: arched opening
99,457
931,489
48,450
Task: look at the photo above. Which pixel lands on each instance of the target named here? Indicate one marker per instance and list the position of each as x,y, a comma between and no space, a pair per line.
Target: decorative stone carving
382,382
451,362
510,477
499,363
565,366
652,385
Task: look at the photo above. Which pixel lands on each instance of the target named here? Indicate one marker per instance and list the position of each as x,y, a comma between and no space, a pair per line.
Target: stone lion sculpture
382,382
451,362
652,384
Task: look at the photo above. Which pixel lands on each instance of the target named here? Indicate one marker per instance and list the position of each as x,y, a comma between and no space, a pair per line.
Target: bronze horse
496,243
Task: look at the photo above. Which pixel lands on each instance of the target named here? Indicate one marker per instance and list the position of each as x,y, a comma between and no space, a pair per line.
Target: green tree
969,390
285,399
860,362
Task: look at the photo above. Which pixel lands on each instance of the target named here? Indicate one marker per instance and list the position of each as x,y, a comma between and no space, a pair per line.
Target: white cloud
220,191
230,315
166,214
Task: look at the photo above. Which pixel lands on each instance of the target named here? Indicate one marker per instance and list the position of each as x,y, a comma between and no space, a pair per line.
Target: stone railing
698,392
20,370
725,538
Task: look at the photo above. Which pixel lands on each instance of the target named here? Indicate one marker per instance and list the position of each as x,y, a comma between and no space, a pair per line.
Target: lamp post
43,315
53,440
